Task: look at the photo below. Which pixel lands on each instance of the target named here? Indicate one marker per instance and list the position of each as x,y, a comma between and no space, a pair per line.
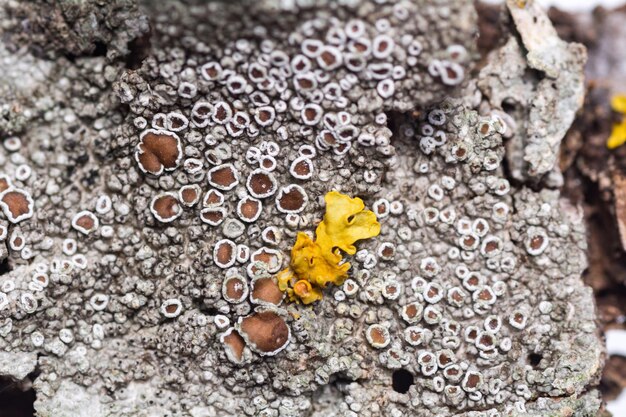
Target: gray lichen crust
147,209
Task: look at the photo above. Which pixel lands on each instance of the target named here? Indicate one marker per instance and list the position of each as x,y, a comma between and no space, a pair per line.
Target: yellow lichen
309,262
618,133
345,222
284,277
305,292
315,264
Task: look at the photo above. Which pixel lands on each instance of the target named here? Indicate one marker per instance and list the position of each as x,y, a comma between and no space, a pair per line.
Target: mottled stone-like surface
114,287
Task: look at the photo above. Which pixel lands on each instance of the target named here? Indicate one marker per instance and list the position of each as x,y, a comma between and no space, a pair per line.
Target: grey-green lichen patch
17,365
18,88
71,399
556,93
158,187
75,28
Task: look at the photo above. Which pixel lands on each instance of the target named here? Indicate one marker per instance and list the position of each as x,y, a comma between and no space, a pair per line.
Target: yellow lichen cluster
314,264
618,134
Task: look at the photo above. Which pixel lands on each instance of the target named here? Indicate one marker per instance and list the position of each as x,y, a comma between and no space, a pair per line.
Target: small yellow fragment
295,315
315,264
618,103
521,3
284,278
305,292
301,290
618,133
